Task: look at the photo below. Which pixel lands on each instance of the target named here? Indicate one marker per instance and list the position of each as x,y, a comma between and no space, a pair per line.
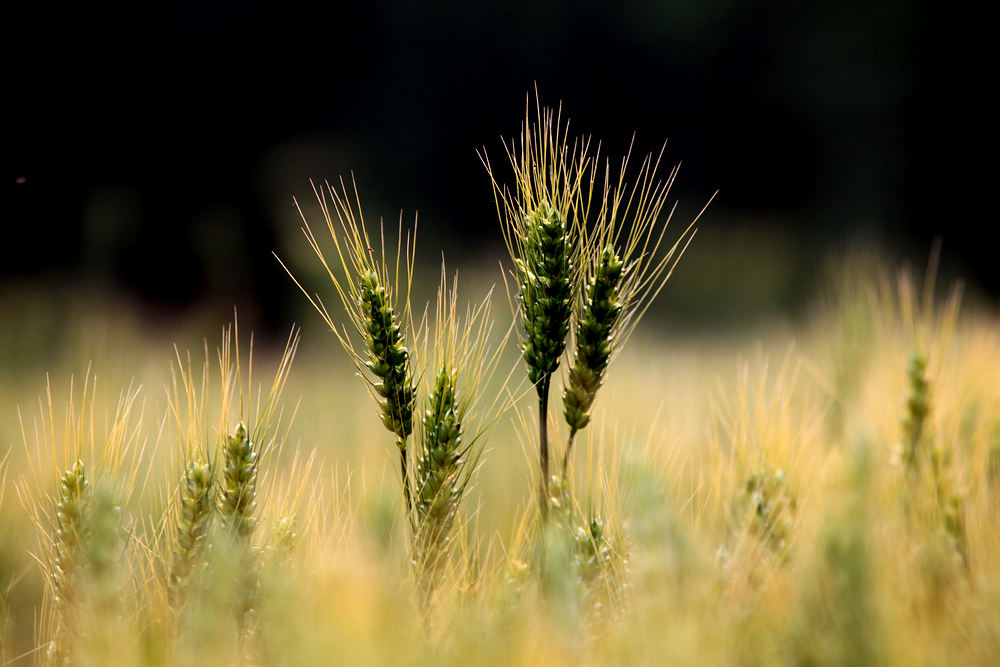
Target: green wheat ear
239,497
541,220
70,532
439,485
917,410
388,358
594,336
377,307
546,300
454,422
546,294
625,263
68,554
194,516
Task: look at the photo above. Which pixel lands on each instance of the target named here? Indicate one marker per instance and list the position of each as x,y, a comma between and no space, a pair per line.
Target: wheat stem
543,449
389,361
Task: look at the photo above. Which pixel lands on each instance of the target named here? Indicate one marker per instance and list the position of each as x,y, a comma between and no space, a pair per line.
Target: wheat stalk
455,421
79,453
378,308
541,220
627,262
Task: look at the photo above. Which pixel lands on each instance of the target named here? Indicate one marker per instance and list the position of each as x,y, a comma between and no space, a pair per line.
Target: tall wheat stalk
199,422
378,310
626,263
454,422
208,555
541,220
606,263
80,541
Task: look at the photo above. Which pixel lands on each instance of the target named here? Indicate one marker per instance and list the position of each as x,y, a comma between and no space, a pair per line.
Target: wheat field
529,466
764,498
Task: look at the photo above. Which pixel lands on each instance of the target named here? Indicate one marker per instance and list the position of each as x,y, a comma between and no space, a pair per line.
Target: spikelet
244,448
69,535
79,546
195,402
387,359
437,467
545,293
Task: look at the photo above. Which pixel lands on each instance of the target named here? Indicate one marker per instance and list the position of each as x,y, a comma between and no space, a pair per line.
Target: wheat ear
194,516
70,529
454,422
546,301
626,262
378,308
438,485
594,336
917,410
389,360
239,497
541,221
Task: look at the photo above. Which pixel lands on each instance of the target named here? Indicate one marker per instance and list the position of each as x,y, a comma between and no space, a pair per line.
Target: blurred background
151,152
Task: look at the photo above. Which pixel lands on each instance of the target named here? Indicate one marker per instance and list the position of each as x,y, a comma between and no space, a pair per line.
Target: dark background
152,150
